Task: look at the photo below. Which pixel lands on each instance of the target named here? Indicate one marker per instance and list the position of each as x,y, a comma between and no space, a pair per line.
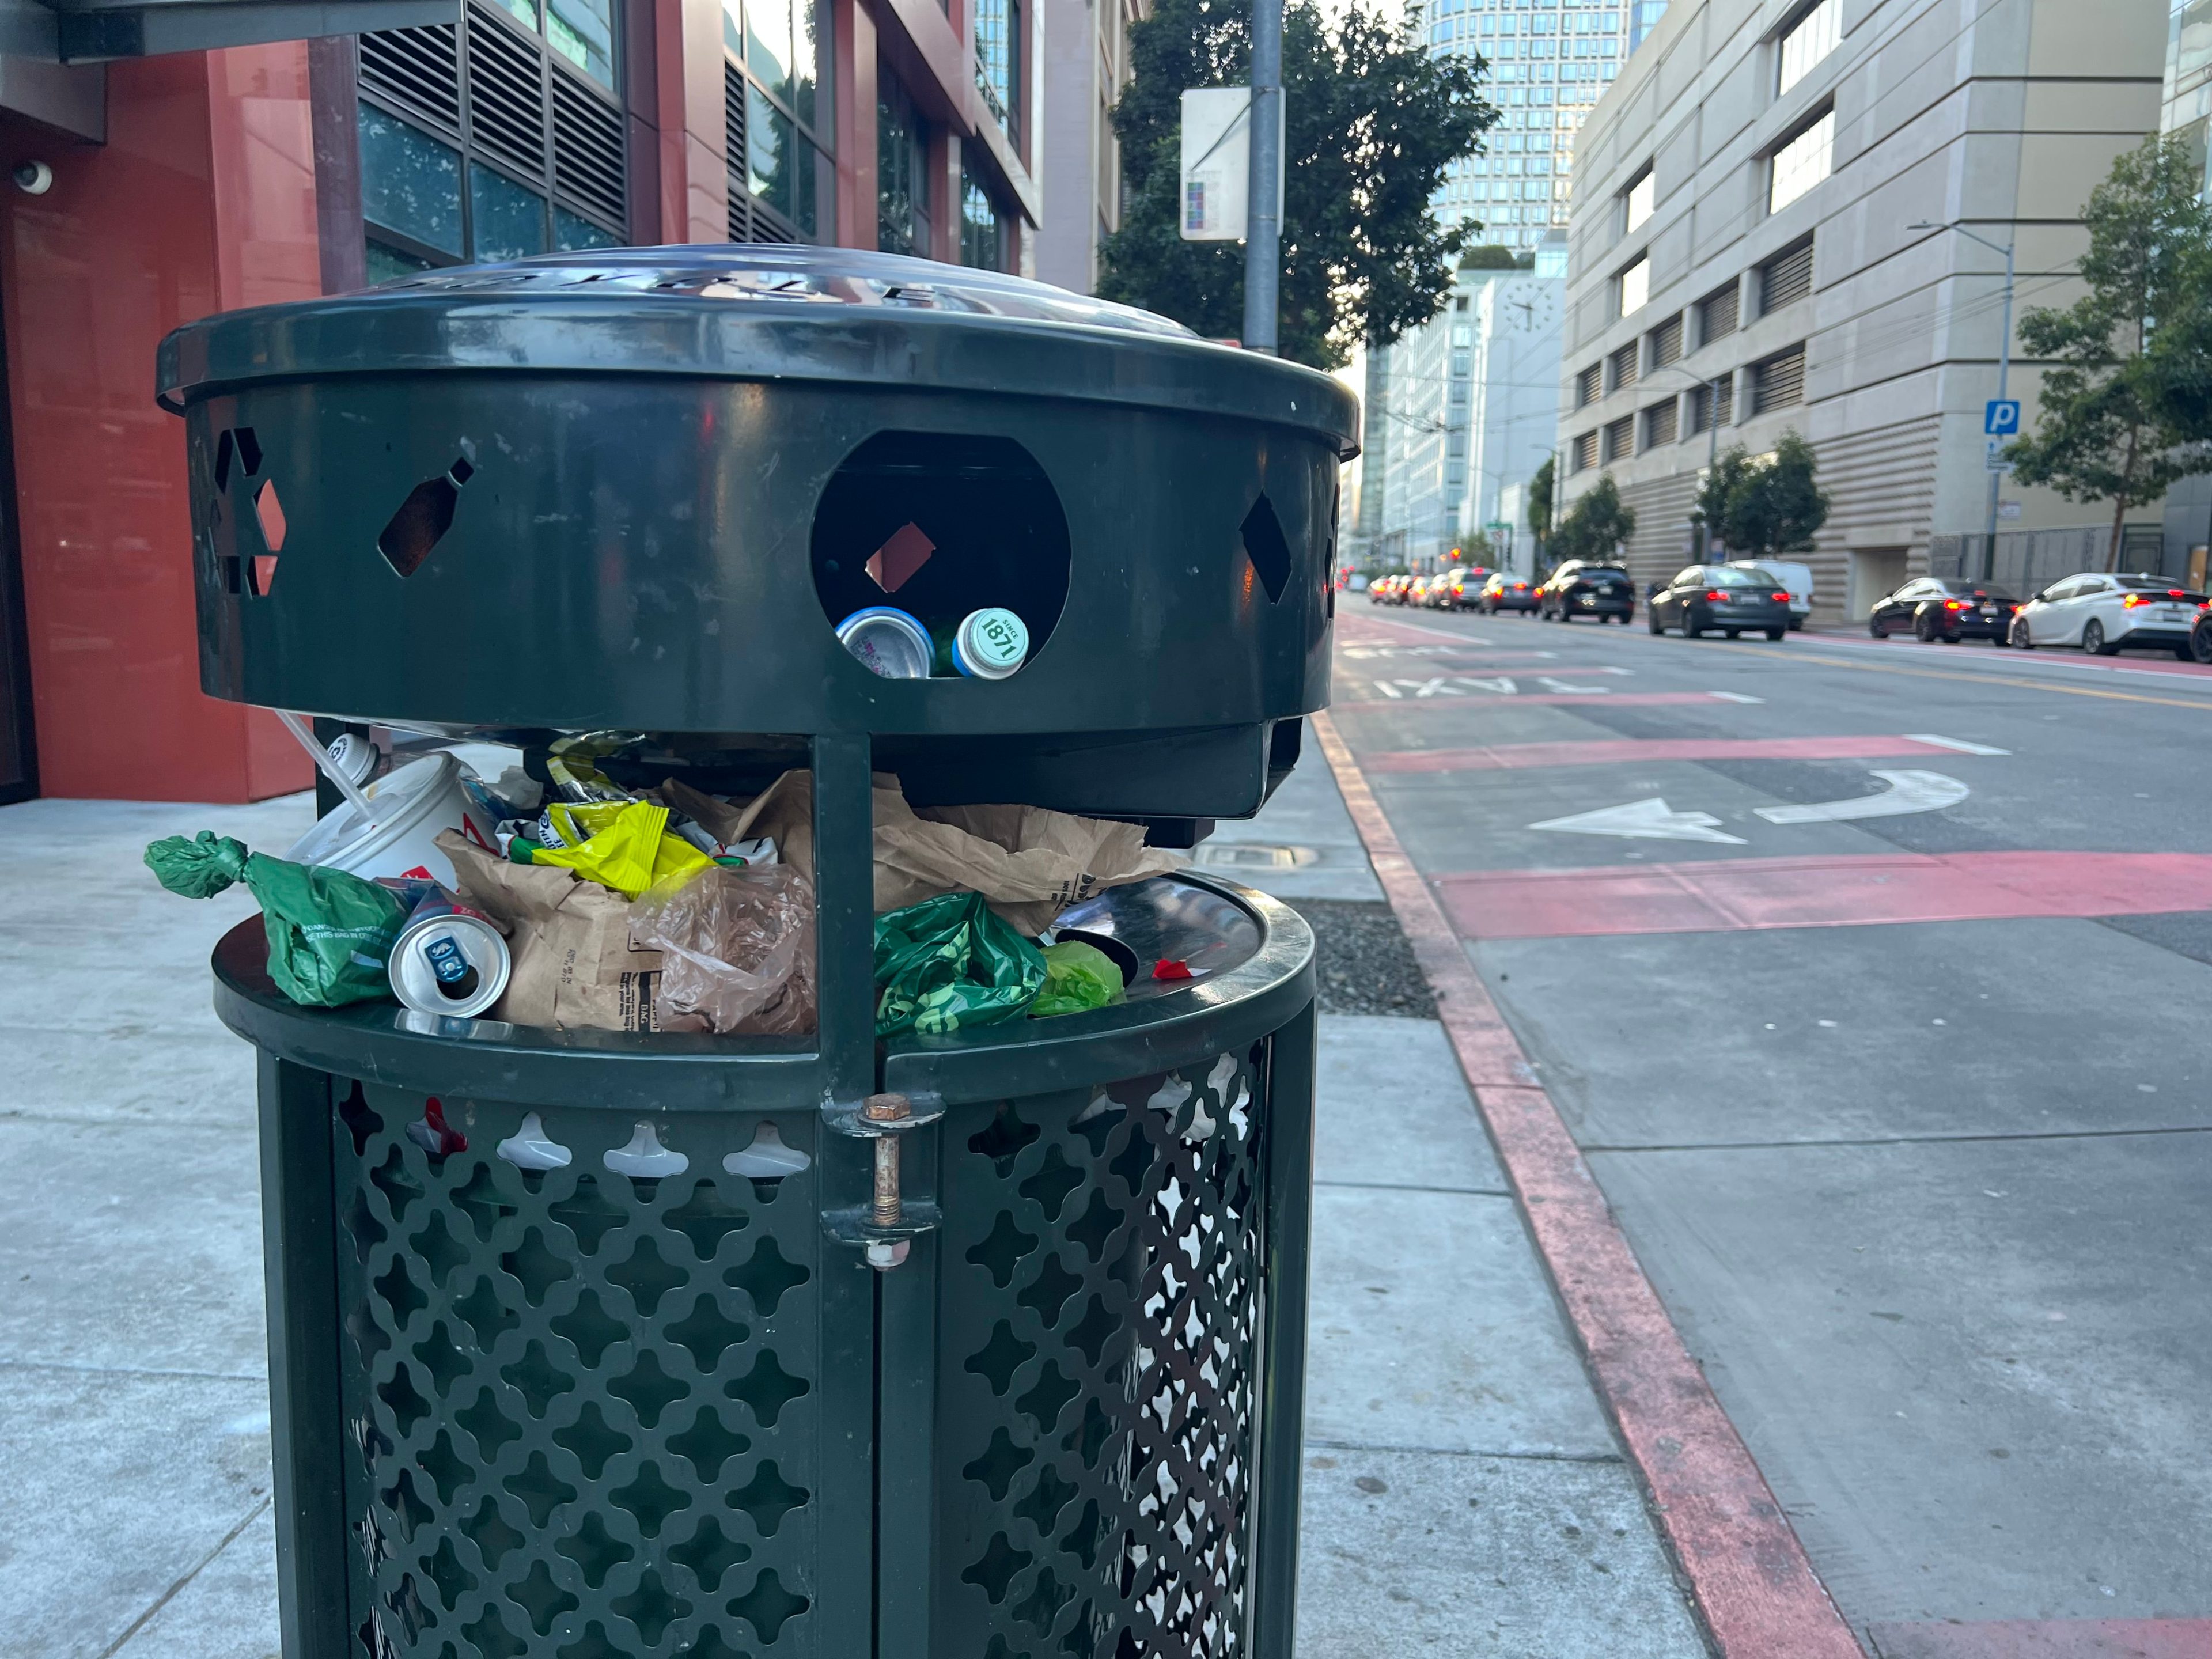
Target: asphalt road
1906,1116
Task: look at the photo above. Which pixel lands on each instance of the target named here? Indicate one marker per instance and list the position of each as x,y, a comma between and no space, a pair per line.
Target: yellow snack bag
624,845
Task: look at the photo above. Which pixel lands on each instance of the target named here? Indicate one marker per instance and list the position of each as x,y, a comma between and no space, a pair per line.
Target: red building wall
202,199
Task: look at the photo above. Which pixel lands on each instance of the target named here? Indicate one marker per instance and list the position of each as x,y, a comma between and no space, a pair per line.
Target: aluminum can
990,644
889,642
448,959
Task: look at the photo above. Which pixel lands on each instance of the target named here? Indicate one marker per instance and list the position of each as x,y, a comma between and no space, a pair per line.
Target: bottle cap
991,644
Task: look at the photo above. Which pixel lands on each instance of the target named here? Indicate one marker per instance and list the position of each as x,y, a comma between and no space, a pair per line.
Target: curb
1747,1574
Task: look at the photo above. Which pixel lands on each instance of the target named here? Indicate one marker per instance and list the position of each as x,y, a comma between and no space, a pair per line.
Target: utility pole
1263,237
2004,371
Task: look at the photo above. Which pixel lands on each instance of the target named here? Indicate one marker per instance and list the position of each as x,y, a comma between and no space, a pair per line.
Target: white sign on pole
1997,463
1217,164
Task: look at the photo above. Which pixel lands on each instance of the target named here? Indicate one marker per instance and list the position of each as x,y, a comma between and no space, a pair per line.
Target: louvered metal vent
1717,313
1589,384
587,151
1787,277
507,95
1659,425
1620,438
417,72
1666,340
1585,451
733,149
1623,366
1779,382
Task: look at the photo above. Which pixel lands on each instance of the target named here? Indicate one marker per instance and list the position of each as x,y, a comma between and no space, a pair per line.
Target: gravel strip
1365,966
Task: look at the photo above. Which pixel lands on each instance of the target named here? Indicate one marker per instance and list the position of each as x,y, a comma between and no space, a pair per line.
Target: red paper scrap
894,562
1170,969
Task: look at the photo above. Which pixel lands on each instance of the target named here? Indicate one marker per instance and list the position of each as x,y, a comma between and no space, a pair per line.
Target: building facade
154,190
1465,407
1550,62
2186,109
1750,251
1086,65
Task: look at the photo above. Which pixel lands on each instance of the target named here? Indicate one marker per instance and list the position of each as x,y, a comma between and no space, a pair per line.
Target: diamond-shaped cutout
269,513
1268,547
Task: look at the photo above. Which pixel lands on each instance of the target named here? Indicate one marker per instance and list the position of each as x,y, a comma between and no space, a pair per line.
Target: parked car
2105,614
1384,590
1582,587
2200,637
1938,608
1735,599
1797,578
1506,592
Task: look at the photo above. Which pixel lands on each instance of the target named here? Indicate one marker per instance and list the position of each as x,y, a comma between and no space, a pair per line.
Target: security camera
34,178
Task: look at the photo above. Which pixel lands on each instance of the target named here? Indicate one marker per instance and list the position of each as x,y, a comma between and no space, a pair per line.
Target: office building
1549,64
165,186
1087,66
2187,109
1745,257
1466,408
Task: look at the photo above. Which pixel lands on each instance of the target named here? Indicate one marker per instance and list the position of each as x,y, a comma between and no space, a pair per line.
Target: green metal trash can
633,1359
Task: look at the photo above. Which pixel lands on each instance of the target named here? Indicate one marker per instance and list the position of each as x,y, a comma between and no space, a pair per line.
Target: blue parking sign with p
2001,417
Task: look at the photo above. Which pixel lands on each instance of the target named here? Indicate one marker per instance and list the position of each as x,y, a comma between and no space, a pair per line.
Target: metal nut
886,1255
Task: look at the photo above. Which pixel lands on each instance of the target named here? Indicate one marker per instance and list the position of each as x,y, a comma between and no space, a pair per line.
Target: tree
2115,421
1729,471
1540,504
1774,506
1371,123
1595,525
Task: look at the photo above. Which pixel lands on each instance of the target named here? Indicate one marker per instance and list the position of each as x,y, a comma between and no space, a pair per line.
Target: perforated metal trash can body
567,1410
615,1378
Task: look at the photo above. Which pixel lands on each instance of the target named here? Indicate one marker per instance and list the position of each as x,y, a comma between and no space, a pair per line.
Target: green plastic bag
330,933
947,963
1077,977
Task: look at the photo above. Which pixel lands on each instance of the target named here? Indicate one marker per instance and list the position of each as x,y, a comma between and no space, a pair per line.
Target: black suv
1582,588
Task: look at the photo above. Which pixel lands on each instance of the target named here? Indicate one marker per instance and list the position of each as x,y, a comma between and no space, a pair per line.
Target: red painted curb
1747,1574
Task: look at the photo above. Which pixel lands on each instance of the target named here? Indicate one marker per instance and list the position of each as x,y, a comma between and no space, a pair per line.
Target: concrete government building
1742,261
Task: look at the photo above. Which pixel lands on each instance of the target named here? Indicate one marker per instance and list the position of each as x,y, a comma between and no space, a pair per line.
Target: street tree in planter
1729,469
1371,123
1775,506
2124,411
1595,525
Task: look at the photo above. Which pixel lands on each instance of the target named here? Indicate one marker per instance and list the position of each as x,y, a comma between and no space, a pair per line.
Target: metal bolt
886,1109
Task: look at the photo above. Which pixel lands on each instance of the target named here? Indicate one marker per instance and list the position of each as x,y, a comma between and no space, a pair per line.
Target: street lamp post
2004,370
1263,237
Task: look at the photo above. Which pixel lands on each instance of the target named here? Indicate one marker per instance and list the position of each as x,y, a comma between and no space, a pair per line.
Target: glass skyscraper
1550,61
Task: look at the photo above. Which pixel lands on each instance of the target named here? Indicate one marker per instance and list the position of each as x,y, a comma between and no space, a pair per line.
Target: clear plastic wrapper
736,948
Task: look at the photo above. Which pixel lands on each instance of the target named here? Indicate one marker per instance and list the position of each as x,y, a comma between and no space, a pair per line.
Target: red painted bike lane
1748,1569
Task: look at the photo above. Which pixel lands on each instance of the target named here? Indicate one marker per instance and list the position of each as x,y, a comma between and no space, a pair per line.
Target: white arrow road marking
1734,697
1643,820
1434,688
1908,792
1388,690
1501,685
1561,686
1958,743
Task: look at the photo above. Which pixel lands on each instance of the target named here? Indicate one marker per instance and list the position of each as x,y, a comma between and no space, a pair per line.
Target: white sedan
2105,614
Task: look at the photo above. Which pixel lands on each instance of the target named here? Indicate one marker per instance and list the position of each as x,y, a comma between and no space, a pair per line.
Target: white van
1797,578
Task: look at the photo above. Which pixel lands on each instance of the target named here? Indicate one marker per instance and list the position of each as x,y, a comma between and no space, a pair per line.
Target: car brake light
1782,599
1714,596
2133,600
1953,605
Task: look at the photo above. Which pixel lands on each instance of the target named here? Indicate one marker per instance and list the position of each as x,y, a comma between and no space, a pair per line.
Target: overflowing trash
584,904
330,933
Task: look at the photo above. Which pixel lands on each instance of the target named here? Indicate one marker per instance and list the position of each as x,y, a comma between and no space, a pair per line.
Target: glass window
809,31
410,182
1643,197
733,28
526,11
983,228
1635,287
508,220
1802,163
901,174
583,32
767,151
387,265
768,41
1810,39
570,232
998,60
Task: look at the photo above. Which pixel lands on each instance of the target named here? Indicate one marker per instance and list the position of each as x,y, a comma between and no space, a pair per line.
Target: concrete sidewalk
1464,1494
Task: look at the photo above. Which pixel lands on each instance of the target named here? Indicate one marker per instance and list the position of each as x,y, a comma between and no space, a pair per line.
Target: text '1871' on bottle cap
991,644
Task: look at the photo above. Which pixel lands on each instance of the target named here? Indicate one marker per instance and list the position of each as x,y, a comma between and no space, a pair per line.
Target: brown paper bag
573,966
1029,864
784,812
